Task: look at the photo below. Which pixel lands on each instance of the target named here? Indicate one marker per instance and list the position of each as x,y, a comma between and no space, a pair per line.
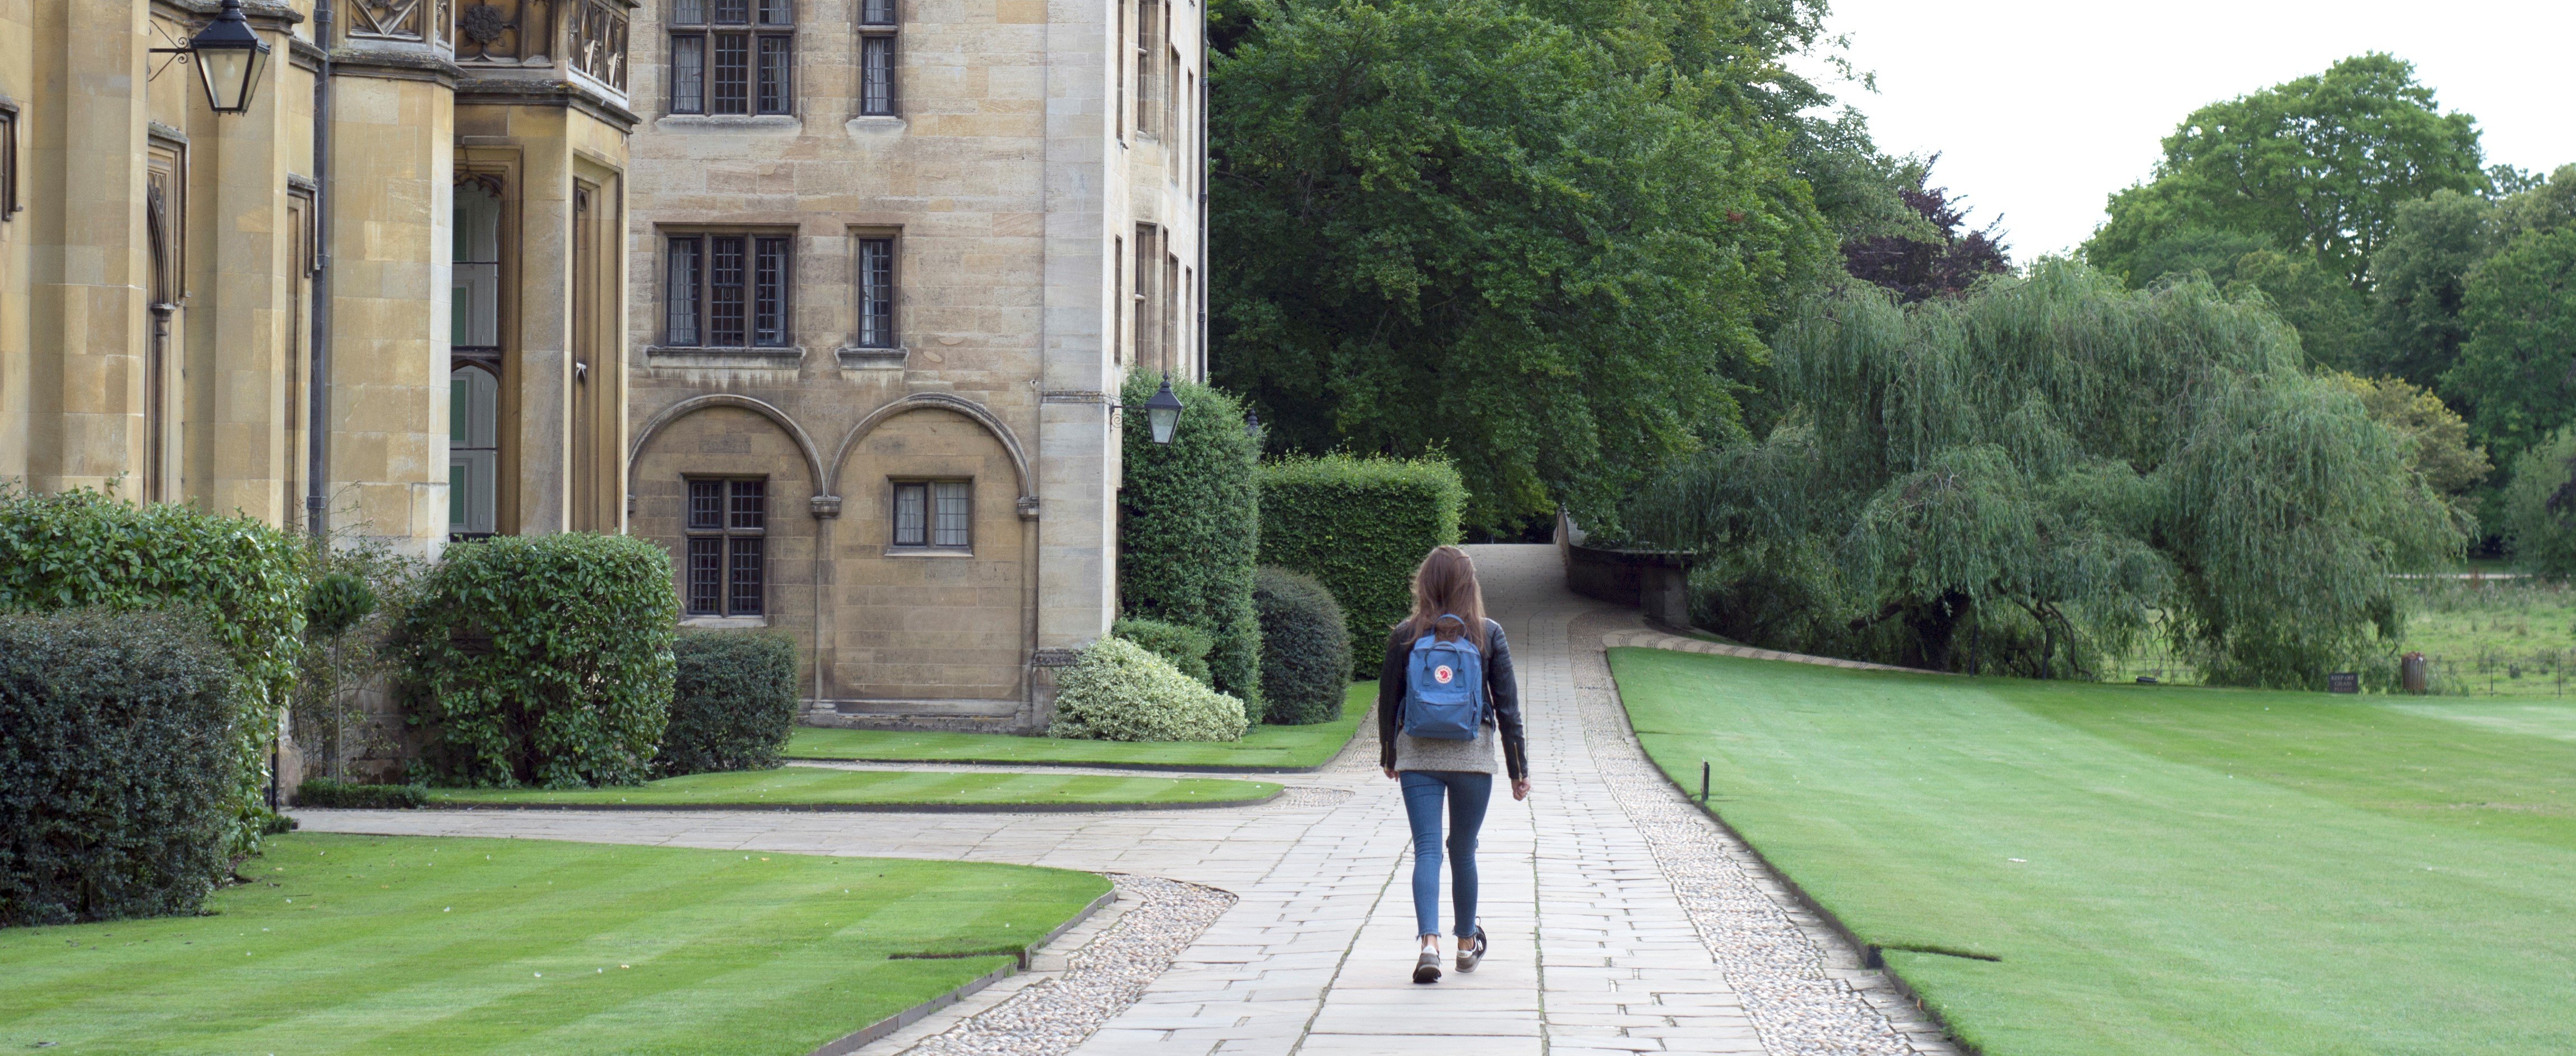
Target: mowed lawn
2159,869
1270,748
819,786
417,945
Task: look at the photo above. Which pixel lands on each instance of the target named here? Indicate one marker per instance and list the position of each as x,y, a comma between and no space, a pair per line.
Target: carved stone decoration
506,32
489,181
386,19
482,26
442,23
599,42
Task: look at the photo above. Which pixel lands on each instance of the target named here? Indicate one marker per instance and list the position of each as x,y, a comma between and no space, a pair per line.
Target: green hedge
1186,647
118,793
1361,526
1119,691
1190,527
1305,647
542,660
244,579
324,792
733,702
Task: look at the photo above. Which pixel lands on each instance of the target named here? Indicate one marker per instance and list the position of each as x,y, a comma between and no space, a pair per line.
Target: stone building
893,259
164,268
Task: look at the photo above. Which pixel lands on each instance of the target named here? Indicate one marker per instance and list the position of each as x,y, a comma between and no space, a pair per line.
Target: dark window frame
9,206
743,288
734,538
763,35
877,287
927,533
880,58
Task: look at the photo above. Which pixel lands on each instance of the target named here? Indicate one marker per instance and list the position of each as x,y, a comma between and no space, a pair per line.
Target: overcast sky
2041,108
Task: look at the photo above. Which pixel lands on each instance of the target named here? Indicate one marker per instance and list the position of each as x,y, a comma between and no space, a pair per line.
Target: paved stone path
1622,920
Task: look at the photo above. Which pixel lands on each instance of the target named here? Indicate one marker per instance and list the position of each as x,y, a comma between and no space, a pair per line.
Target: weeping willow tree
2032,477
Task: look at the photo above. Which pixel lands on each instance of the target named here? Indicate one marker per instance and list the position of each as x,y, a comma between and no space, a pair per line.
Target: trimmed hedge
733,702
346,795
542,660
1305,647
1186,647
118,793
244,580
1118,691
1190,527
1361,526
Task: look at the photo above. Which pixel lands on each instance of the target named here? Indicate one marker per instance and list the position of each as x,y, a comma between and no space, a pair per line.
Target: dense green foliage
324,792
1360,526
2314,166
1117,691
2437,440
1305,647
824,788
244,579
1185,647
2024,478
733,702
542,660
1944,259
1263,748
1540,237
1190,527
2159,870
2519,308
118,758
2540,506
448,947
2417,282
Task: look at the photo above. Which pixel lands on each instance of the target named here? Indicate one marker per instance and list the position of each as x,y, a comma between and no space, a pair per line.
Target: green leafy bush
1361,526
2539,508
1191,527
119,768
243,579
1186,647
733,702
542,660
324,792
360,588
1305,647
1118,691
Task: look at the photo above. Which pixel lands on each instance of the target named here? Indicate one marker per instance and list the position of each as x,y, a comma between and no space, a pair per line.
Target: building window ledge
690,358
929,551
724,621
854,358
876,125
786,123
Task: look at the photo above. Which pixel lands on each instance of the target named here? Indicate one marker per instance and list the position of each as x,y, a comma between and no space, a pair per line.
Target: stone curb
1871,953
858,1039
878,808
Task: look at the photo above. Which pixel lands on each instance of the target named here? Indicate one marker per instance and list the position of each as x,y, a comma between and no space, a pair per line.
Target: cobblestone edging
1052,1016
1807,989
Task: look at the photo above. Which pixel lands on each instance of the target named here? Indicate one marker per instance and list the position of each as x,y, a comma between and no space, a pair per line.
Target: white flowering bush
1120,691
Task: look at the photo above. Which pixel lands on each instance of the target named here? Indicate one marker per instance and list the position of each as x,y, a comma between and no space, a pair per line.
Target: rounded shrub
1305,647
1190,527
542,660
1119,691
324,792
118,768
243,580
1186,647
733,702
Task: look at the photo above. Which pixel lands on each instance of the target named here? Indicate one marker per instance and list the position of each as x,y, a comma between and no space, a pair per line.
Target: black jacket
1500,688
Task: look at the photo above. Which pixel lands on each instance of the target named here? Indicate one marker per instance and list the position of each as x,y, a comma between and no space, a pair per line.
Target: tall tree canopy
2022,478
2319,164
1540,236
1943,258
2518,367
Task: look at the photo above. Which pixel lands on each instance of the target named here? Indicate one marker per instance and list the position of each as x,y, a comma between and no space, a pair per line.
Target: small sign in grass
357,944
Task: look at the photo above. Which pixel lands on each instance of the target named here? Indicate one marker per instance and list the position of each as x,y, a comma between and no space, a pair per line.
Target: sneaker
1427,969
1468,955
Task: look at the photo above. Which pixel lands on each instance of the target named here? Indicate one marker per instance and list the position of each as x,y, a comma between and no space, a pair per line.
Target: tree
1945,264
2027,477
1544,244
2540,506
2415,304
2517,371
2319,164
2437,439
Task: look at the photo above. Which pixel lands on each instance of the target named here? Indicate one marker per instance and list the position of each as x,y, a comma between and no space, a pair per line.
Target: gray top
1480,756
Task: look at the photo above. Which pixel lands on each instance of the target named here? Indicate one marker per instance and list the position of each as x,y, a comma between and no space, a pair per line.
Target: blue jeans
1467,794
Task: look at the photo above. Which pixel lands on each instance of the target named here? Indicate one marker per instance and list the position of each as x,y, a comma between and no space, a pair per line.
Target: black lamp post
1163,413
1252,424
229,55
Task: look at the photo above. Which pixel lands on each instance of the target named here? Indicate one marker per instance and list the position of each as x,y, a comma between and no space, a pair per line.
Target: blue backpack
1444,688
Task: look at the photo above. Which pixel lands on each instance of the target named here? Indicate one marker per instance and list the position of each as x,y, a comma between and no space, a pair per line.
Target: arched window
473,451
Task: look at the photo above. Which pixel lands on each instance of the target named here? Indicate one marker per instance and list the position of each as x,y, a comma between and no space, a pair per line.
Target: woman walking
1446,703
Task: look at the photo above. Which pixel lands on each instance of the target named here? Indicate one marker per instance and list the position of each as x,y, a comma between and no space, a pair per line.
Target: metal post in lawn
1703,782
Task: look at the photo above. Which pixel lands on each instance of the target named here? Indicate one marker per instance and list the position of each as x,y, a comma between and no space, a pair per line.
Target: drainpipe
1206,88
317,427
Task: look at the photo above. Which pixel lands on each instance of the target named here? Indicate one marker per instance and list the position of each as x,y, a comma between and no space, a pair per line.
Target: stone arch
692,405
951,402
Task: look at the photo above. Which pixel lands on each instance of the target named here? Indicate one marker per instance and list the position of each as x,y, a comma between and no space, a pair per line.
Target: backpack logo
1442,674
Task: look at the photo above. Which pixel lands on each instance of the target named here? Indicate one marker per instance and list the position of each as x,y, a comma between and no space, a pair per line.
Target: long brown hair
1446,585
